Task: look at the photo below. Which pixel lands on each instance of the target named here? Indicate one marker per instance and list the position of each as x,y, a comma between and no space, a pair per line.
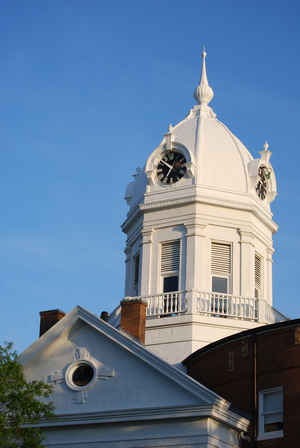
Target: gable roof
127,343
204,402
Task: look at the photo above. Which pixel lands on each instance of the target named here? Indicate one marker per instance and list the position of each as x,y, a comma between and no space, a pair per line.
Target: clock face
261,186
171,168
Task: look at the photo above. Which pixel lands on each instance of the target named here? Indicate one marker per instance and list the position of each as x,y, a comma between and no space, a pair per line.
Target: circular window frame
70,372
158,161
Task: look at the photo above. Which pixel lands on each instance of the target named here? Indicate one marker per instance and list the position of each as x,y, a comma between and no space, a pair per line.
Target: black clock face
261,186
171,168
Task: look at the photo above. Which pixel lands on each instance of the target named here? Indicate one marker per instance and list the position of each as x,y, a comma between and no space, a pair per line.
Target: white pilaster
146,262
247,258
196,267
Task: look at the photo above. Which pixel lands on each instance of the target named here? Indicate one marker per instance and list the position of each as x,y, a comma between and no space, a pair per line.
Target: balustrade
212,304
166,304
209,304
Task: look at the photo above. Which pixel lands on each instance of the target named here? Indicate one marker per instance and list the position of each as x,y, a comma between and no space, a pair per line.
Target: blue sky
87,91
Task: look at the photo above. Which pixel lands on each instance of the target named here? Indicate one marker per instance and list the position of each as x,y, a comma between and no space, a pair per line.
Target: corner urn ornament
264,175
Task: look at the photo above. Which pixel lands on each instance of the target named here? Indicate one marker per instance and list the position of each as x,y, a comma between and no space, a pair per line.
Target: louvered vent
258,272
220,259
170,256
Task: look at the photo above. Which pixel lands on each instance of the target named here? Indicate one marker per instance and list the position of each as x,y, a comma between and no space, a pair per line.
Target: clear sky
87,90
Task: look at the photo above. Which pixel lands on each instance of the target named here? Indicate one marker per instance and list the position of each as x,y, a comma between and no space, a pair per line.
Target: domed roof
216,160
221,158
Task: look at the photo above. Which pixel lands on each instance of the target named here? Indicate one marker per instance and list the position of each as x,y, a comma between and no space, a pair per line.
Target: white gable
147,400
127,376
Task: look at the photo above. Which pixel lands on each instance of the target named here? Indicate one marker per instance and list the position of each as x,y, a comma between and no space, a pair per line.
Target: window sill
270,435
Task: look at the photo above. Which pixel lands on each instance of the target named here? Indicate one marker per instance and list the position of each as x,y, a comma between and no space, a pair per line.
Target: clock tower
199,234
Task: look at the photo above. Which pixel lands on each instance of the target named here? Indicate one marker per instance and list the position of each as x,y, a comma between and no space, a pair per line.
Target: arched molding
155,157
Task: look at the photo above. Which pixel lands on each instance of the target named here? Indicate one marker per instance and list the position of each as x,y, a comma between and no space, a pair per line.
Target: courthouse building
198,269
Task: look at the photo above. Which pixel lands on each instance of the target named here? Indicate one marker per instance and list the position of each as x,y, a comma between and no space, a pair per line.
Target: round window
83,375
80,375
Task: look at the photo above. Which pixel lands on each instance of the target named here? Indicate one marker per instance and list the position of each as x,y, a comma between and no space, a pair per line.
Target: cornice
131,217
134,236
161,413
201,197
204,220
224,203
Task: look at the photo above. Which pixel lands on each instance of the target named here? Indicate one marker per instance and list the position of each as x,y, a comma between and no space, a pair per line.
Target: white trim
250,206
262,435
172,373
166,413
170,252
216,256
70,371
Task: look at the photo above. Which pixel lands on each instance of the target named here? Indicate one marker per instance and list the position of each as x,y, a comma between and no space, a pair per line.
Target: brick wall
240,366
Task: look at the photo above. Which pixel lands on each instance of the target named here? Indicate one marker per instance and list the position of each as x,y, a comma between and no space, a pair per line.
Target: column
247,255
196,257
146,269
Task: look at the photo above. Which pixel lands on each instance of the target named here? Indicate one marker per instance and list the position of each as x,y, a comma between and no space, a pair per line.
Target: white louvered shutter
221,259
170,256
258,273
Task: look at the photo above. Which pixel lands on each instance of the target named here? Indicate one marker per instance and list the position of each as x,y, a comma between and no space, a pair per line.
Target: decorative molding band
132,216
166,413
194,229
260,214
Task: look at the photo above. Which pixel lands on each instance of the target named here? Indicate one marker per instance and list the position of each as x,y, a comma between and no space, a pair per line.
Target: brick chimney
48,319
133,317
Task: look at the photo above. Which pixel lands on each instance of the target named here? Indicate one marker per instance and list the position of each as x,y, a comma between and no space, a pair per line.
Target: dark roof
241,335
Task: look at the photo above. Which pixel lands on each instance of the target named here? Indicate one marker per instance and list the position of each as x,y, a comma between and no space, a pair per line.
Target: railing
209,304
269,314
212,304
166,304
226,305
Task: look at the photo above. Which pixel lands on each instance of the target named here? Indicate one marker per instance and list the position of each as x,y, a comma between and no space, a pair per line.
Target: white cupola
199,228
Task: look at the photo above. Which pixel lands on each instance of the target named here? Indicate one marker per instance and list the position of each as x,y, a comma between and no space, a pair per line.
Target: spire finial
266,145
204,93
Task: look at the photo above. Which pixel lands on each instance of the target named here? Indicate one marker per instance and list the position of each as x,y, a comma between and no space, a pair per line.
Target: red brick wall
229,369
49,318
133,318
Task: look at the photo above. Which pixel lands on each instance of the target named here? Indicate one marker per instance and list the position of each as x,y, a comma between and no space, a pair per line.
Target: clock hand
169,166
